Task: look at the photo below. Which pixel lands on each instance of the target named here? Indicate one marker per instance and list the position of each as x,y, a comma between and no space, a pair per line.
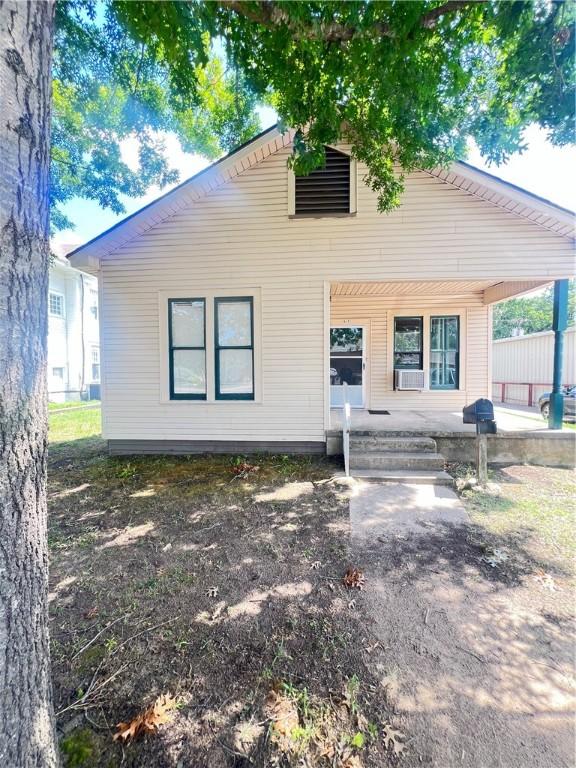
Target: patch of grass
76,425
72,404
79,749
534,503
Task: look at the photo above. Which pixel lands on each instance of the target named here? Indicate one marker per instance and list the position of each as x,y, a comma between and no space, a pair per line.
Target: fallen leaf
283,713
391,738
244,469
148,720
353,578
91,613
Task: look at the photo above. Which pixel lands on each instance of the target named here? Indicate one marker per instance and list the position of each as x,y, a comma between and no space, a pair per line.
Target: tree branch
270,15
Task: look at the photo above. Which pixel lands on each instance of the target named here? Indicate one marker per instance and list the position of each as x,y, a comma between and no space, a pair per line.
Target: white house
73,331
235,307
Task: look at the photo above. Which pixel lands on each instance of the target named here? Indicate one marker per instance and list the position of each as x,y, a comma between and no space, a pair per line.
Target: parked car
569,404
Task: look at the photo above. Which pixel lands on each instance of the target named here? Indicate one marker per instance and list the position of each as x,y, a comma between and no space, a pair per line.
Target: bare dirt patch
221,587
475,626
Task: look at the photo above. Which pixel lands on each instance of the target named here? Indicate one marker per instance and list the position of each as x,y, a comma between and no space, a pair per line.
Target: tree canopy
407,83
107,88
530,314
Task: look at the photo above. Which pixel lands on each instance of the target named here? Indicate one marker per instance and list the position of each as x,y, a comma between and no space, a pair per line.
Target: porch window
187,348
444,352
408,343
234,348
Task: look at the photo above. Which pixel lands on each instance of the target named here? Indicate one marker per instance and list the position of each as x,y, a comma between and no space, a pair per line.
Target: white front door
347,364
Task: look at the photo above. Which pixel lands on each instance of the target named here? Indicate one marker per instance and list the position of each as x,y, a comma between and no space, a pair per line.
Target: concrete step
369,443
397,460
406,477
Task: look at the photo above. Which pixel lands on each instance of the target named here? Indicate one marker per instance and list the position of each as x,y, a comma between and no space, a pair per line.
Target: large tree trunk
27,736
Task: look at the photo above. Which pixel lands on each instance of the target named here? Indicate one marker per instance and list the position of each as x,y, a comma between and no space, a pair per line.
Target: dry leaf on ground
283,713
392,738
147,721
353,578
244,469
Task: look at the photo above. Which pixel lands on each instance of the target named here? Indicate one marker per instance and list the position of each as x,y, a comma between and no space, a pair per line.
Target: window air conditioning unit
409,379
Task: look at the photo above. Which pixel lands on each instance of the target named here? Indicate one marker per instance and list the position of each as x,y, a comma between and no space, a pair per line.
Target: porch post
559,323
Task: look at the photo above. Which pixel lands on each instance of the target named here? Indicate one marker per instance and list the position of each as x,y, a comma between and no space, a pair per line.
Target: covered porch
412,345
522,437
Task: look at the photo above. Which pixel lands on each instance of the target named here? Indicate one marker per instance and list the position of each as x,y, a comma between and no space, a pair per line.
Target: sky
543,169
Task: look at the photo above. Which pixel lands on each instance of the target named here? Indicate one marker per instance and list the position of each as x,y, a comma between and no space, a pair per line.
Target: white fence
522,366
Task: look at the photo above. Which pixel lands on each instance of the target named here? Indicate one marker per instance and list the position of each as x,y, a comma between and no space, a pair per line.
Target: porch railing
346,429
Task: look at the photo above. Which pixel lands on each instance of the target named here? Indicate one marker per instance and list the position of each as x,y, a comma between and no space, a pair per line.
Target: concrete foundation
543,448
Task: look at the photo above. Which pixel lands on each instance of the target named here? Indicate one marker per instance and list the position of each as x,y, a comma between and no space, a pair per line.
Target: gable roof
501,193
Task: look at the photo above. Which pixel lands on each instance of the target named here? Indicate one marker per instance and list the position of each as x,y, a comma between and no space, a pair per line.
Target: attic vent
325,190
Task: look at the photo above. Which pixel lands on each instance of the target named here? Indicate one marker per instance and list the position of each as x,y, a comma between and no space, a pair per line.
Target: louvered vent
325,190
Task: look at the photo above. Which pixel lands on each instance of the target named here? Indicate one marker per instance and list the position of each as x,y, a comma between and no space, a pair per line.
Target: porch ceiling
490,291
411,287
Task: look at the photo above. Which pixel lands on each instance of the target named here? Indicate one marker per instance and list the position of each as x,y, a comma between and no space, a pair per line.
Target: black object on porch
559,323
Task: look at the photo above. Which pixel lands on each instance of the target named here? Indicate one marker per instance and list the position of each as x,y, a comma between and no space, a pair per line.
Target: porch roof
490,291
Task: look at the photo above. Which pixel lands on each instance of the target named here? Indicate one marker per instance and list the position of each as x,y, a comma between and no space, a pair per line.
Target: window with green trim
234,347
408,343
444,352
187,348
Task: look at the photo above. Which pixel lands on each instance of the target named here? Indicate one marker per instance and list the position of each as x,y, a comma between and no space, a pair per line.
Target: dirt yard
476,621
221,585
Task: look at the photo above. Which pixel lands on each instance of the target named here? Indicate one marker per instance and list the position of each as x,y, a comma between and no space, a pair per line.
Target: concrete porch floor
439,423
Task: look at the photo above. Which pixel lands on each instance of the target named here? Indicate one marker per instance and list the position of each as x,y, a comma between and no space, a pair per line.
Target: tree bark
27,734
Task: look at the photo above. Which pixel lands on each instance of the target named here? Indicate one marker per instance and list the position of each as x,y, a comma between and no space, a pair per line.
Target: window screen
234,348
408,343
187,348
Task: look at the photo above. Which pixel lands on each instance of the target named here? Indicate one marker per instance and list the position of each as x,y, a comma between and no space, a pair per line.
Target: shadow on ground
475,641
217,580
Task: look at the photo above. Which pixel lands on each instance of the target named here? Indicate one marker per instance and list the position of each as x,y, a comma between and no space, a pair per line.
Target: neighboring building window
408,343
58,373
56,304
326,190
444,352
94,303
234,348
187,348
95,364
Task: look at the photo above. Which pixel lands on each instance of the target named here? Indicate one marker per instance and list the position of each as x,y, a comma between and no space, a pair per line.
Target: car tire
545,411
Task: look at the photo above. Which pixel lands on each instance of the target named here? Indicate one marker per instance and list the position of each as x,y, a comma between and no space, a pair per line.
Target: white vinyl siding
240,237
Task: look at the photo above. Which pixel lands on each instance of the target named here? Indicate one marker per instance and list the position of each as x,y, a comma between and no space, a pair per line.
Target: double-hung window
234,348
408,349
56,304
444,352
187,348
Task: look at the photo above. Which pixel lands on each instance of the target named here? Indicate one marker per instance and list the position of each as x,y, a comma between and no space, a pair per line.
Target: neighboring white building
73,343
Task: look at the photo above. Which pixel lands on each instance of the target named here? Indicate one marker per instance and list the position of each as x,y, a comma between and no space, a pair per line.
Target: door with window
347,365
